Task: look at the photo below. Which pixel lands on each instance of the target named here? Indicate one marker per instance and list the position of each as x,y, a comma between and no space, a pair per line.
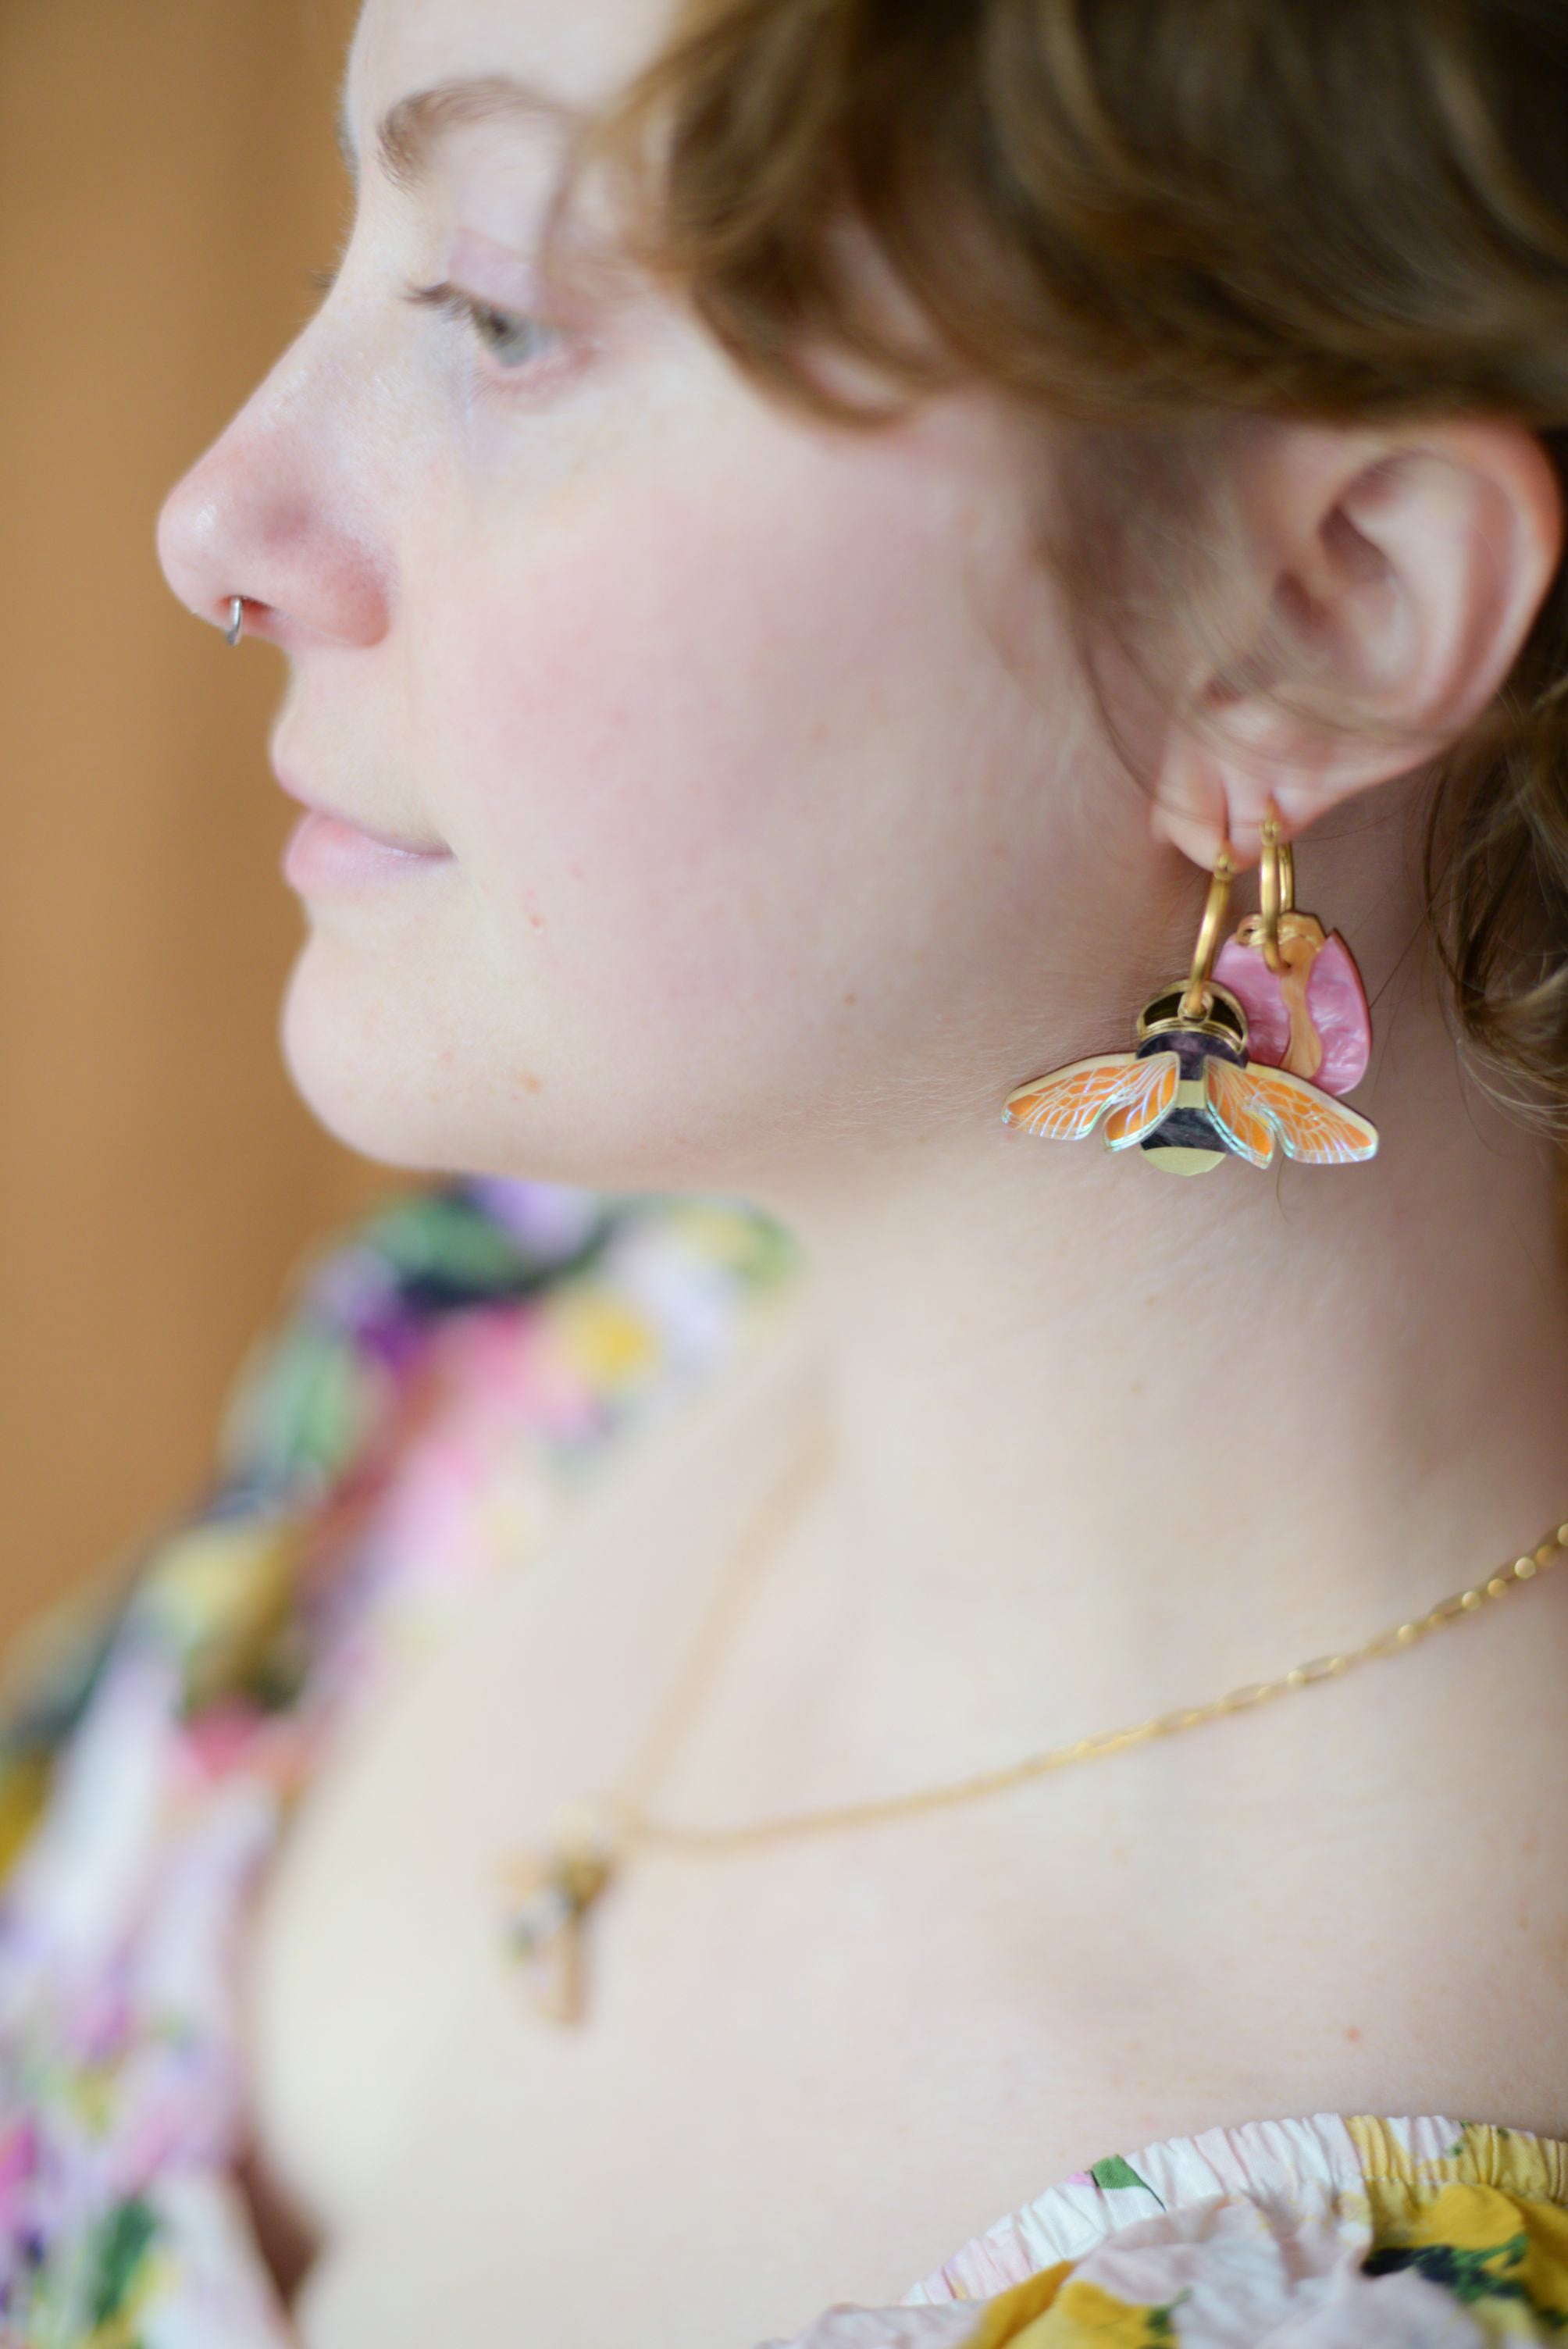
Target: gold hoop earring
1276,887
1197,999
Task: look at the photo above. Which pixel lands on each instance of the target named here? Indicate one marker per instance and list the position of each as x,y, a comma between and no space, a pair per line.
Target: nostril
250,510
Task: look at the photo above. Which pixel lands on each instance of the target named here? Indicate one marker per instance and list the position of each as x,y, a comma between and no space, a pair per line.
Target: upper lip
388,839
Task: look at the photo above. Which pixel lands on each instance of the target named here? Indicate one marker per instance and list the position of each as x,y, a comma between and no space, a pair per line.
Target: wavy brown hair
1152,221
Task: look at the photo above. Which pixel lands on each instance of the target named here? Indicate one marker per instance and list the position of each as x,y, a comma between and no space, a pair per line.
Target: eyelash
466,309
470,312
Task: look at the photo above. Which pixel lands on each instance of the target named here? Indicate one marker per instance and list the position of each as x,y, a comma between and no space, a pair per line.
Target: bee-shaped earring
1247,1053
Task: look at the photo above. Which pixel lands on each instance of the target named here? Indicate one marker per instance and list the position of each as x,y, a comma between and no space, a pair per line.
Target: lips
355,823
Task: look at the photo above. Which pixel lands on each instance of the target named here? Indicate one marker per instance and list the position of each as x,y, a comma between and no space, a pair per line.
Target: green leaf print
1471,2275
122,2242
1114,2172
440,1234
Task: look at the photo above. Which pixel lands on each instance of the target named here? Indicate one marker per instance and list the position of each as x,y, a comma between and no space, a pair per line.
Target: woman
866,516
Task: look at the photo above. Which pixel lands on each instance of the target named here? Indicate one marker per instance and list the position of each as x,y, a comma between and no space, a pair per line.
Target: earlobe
1404,573
1191,806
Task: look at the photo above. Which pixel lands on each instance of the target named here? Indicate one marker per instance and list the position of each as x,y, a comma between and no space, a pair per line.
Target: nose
274,514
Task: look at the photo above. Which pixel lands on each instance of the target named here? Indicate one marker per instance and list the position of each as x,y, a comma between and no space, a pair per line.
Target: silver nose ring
236,620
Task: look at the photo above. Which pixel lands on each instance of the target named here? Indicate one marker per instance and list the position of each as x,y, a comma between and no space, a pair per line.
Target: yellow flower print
1006,2322
603,1340
24,1783
1529,2168
218,1592
1466,2217
1481,2155
1052,2312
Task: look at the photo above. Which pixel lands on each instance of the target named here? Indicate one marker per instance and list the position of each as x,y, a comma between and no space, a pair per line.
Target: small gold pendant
550,1894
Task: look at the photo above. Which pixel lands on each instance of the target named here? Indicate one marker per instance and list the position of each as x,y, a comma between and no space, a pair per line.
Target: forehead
581,51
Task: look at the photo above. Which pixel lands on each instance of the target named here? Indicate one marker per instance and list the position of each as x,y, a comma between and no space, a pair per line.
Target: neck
1110,1441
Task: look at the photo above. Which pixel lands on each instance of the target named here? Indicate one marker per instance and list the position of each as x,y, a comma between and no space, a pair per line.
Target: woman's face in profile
746,737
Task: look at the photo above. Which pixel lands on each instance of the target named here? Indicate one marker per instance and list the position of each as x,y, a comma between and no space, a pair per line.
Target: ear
1406,565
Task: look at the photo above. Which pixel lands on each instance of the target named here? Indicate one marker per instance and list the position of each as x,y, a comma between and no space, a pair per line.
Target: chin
397,1088
354,1069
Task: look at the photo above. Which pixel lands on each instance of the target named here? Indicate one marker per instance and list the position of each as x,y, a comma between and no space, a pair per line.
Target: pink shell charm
1336,1005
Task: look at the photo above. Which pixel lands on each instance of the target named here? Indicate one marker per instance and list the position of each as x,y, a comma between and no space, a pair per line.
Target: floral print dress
441,1379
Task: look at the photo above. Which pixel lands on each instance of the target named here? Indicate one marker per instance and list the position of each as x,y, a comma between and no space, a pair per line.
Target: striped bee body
1189,1096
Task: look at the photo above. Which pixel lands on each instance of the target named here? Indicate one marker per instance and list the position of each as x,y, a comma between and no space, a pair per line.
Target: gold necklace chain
552,1892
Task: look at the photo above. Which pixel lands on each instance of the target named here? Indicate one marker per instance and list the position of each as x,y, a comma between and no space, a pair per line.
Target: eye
517,340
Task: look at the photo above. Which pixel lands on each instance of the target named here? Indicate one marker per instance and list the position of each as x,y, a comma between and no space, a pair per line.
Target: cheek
682,727
751,811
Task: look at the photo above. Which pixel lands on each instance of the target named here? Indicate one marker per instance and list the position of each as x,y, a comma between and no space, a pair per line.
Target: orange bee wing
1148,1106
1063,1105
1253,1106
1231,1106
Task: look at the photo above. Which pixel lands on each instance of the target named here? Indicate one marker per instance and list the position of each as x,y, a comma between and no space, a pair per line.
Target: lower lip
325,857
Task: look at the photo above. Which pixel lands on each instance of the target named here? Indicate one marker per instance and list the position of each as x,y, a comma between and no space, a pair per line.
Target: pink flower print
18,2166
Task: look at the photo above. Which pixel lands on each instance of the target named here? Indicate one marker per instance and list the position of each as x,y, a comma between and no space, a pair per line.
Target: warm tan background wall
168,180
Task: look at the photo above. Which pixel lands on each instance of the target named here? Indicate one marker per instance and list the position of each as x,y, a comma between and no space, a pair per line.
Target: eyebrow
409,134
